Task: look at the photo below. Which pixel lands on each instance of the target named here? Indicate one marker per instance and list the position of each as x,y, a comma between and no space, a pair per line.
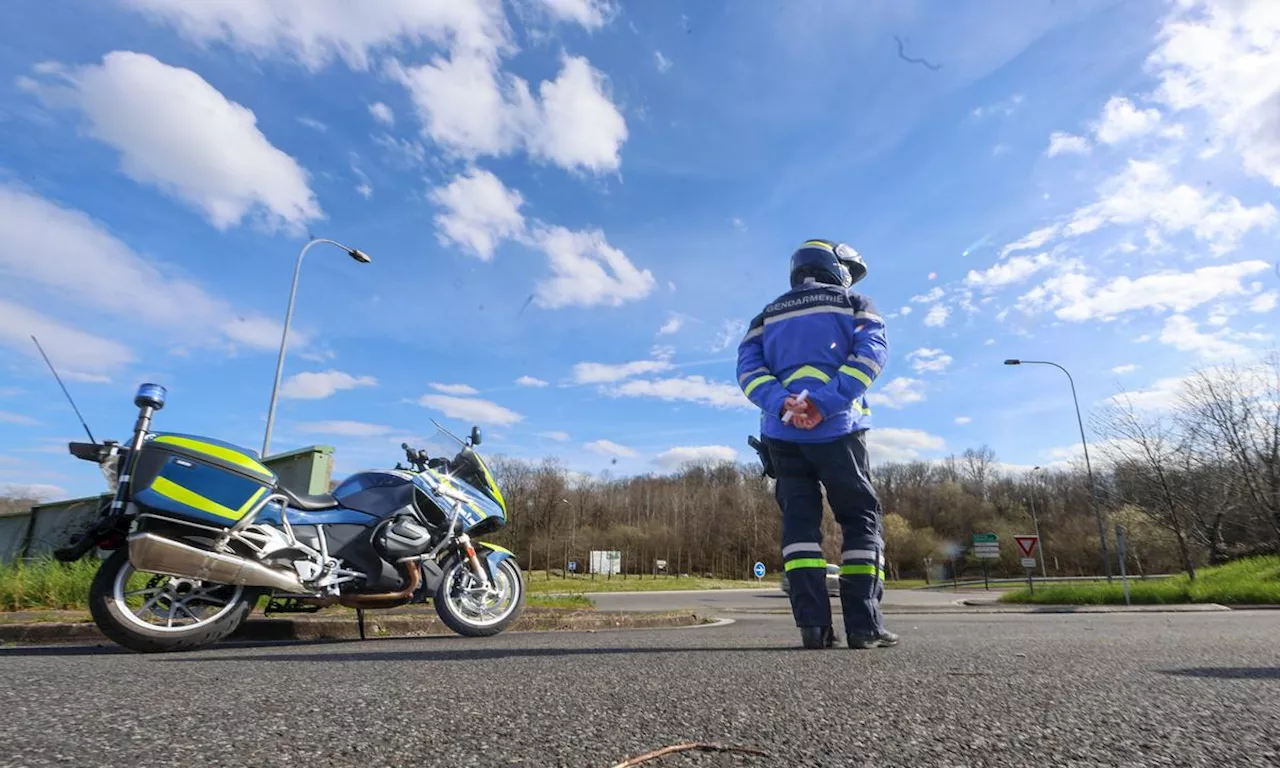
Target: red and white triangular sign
1027,544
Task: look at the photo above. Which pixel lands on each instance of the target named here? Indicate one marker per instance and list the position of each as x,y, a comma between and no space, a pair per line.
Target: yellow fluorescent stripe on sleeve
757,382
807,371
819,244
857,374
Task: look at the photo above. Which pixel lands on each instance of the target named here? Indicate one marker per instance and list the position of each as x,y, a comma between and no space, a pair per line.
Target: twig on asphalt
647,756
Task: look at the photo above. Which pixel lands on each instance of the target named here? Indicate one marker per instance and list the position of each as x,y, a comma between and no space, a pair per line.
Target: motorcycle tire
131,632
455,619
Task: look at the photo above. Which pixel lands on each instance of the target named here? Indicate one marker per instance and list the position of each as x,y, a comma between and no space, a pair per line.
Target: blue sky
574,206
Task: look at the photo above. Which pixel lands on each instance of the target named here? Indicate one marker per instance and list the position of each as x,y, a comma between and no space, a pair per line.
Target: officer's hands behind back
804,414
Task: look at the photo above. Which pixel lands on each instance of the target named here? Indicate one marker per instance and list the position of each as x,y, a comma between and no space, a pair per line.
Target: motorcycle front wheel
466,607
157,613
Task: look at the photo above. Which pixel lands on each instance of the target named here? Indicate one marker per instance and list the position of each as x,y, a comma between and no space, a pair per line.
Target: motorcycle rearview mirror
475,435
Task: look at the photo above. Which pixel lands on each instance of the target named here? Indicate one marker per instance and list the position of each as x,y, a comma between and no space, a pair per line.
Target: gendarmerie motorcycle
200,530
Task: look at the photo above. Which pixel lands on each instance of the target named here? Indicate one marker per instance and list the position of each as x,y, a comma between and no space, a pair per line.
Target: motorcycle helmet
826,261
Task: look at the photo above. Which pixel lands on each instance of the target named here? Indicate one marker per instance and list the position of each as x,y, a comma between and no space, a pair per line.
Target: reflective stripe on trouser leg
862,586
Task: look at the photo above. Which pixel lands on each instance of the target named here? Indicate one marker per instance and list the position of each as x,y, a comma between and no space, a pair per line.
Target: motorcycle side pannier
199,480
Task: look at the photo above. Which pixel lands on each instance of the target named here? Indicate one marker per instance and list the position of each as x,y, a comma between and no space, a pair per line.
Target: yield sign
1027,544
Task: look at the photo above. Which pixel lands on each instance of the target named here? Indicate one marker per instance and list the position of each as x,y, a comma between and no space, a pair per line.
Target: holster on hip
763,452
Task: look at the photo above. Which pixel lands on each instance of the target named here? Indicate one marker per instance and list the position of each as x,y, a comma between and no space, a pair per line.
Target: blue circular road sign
759,570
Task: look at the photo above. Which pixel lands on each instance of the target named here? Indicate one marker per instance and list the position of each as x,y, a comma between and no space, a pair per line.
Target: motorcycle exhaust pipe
157,554
413,577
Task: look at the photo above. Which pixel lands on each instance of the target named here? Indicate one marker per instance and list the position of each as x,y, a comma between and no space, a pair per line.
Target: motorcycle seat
309,502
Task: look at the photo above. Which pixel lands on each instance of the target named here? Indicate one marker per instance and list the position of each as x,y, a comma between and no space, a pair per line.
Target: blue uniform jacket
823,338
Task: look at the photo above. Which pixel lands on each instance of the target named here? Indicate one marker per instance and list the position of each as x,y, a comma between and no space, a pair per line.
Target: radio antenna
64,389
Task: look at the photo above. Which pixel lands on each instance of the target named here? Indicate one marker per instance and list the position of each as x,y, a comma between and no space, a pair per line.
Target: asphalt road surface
962,690
734,601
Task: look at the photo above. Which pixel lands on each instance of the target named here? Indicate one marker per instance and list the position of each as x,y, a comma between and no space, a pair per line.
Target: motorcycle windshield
470,470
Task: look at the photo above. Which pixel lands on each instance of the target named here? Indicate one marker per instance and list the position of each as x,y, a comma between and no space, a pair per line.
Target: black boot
816,638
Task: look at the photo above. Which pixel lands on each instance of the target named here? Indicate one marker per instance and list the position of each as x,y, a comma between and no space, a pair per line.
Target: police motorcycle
200,530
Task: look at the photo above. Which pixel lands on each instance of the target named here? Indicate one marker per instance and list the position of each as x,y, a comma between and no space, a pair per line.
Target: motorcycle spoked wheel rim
179,600
471,604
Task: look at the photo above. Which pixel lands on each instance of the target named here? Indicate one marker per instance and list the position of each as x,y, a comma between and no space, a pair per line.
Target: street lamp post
1093,501
354,253
1035,522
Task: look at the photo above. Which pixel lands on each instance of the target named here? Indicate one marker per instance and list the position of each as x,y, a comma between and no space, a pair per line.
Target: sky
573,208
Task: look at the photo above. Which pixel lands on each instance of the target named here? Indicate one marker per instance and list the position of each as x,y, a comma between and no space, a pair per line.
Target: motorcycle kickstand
360,621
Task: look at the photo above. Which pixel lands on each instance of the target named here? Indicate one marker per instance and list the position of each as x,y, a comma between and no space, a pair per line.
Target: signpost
1028,546
986,546
1124,578
758,570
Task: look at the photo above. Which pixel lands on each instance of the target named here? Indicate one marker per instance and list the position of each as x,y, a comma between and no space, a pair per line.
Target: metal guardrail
967,583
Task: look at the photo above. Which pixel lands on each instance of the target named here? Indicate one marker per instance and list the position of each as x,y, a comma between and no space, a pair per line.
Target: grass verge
1251,581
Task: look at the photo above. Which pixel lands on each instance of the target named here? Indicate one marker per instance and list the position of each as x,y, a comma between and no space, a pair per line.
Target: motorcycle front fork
477,568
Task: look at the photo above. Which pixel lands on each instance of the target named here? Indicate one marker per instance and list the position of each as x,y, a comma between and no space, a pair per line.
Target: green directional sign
986,538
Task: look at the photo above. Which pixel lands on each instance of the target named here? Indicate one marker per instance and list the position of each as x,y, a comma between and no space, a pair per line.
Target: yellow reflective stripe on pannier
171,490
226,454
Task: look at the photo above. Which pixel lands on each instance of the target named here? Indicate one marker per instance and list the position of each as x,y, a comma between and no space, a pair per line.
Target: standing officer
823,338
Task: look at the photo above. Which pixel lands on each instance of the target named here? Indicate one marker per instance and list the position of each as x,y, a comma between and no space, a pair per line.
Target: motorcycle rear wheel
465,610
175,614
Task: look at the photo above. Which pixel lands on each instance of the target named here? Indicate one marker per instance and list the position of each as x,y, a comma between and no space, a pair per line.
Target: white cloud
897,393
343,428
1031,241
1121,370
313,124
930,297
739,224
989,342
680,456
729,335
1144,194
454,389
937,316
472,109
1075,297
314,33
479,212
963,420
1066,144
931,360
1121,120
672,325
1220,57
529,381
906,310
319,385
37,491
663,63
20,419
471,409
610,448
559,437
591,14
1005,108
74,353
176,131
888,444
1183,334
662,352
1264,302
587,271
604,373
694,389
1013,270
382,113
